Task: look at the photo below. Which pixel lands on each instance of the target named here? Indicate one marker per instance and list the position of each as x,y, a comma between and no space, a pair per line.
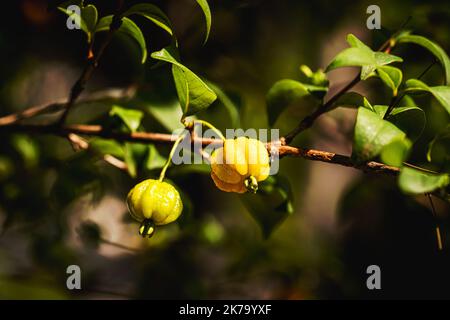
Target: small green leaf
132,118
154,159
27,148
416,182
271,205
352,57
411,120
106,146
152,13
318,78
396,152
391,76
360,55
89,15
129,28
431,46
372,133
352,100
136,155
441,93
207,12
193,93
285,93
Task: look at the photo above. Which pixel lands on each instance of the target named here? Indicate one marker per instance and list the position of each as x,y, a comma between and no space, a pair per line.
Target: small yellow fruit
154,203
239,165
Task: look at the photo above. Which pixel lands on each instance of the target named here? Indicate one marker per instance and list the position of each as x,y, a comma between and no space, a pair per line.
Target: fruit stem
209,125
169,159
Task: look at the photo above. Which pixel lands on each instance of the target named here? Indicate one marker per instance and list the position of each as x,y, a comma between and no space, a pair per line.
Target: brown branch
164,138
99,96
81,144
92,63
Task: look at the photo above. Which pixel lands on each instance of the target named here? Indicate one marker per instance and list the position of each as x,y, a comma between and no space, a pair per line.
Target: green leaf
132,118
352,57
352,100
271,205
391,76
318,78
411,120
136,155
416,182
431,46
106,146
372,133
27,148
152,13
129,28
168,114
193,93
154,159
232,108
283,94
207,12
360,55
396,152
441,93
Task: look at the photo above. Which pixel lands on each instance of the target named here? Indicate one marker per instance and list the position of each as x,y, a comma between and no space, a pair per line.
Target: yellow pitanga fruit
239,165
153,203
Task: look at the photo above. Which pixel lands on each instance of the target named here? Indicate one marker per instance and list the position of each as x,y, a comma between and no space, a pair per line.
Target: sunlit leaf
441,93
417,182
207,13
372,133
285,93
131,117
107,146
360,55
391,76
152,13
193,93
396,152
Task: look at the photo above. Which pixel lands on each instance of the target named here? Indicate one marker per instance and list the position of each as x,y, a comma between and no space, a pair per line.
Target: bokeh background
60,207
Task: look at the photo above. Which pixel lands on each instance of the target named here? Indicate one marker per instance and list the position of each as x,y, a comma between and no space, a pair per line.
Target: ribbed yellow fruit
239,165
153,203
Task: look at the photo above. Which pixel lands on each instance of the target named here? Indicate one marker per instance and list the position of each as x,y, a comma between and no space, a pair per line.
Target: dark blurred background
60,207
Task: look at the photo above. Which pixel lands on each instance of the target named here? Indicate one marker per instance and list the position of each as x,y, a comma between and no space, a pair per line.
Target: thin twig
92,63
437,228
79,143
396,100
309,120
98,96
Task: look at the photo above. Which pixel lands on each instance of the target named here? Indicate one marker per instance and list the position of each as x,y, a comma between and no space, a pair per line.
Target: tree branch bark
164,138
